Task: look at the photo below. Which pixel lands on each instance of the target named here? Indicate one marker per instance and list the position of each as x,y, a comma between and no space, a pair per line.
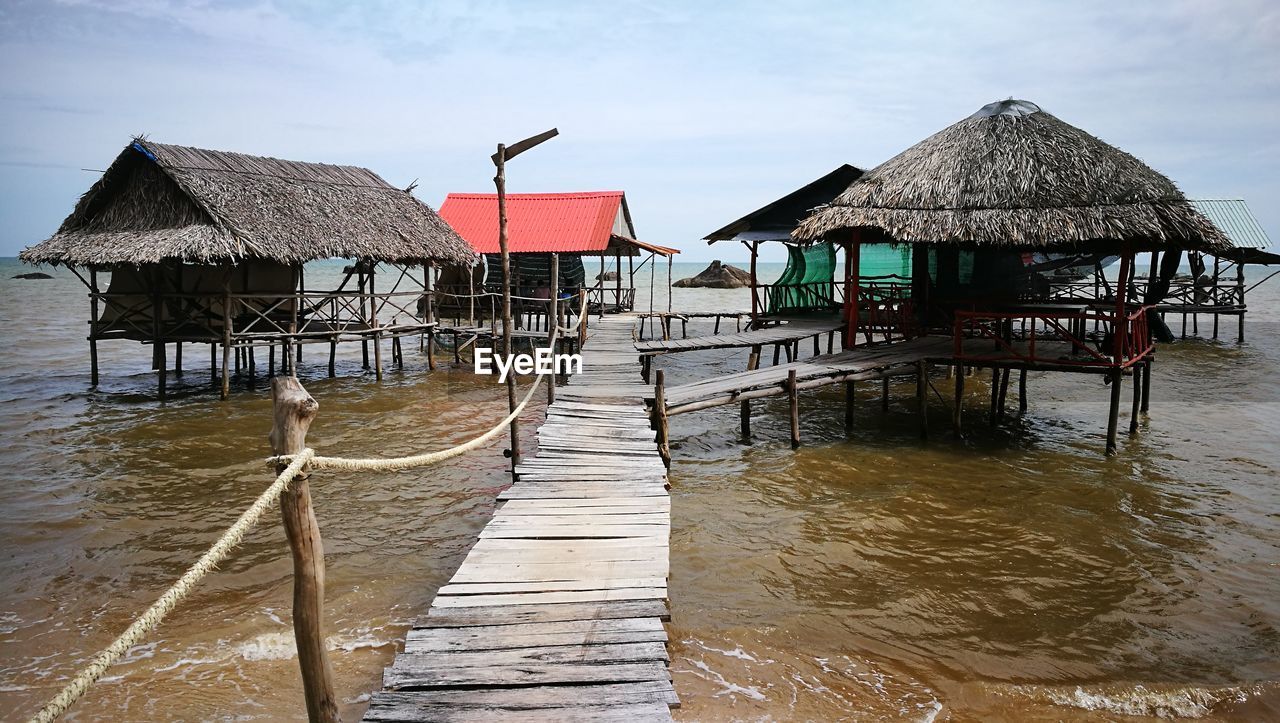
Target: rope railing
230,539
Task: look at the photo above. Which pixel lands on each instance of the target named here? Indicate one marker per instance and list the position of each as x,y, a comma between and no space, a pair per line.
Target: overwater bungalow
208,247
575,227
965,206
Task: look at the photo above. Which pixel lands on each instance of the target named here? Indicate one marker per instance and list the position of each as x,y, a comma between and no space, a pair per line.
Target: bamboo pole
294,409
793,401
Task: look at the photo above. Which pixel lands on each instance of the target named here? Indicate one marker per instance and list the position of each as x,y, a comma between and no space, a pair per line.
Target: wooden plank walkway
556,613
871,362
789,332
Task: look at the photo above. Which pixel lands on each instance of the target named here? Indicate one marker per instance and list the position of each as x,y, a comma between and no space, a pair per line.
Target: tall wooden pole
755,283
227,320
93,327
294,410
793,400
500,180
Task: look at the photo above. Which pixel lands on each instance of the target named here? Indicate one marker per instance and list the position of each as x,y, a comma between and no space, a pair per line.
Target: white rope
393,464
175,594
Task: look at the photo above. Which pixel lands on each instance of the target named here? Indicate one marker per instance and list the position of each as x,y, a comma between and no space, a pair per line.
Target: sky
700,111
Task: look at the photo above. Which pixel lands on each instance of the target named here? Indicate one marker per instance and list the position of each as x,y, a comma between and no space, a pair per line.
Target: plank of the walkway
436,672
482,588
511,614
552,596
498,638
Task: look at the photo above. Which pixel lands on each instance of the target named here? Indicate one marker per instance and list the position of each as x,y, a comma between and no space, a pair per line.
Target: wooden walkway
556,613
788,333
871,362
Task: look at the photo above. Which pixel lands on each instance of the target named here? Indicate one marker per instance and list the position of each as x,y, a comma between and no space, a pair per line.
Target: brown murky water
1015,575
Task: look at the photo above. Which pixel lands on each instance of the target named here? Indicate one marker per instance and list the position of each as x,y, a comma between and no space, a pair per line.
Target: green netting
885,260
806,282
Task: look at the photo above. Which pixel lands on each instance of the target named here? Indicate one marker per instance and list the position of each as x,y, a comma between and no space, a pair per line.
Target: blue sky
701,112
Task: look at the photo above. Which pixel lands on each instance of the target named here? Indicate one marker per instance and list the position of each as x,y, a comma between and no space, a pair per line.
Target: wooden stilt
251,366
922,396
93,327
333,357
777,352
1004,392
213,362
1113,413
1022,391
753,363
793,398
717,329
1137,399
227,321
553,319
884,394
271,360
294,410
958,406
377,352
177,358
995,394
162,369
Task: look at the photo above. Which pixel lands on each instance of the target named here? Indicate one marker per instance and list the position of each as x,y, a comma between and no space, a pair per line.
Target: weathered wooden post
793,399
1113,413
753,363
958,409
884,393
553,323
1240,291
227,320
1137,399
293,411
1004,392
1146,385
660,420
1022,391
93,327
429,290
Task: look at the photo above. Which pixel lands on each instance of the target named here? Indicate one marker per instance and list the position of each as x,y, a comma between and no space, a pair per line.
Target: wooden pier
556,613
785,335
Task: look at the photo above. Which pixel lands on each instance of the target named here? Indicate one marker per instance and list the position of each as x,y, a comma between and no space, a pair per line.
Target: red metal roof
537,222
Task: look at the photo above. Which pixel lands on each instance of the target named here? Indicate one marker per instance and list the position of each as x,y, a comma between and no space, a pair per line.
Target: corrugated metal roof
1232,216
537,222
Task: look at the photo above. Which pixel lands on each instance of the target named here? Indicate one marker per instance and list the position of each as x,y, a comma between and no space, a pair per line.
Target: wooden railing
1021,336
1224,293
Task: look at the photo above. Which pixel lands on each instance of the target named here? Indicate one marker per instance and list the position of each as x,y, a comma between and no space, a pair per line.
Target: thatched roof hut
1013,176
160,202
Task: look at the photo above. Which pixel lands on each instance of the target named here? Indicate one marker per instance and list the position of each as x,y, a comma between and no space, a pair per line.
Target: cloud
700,113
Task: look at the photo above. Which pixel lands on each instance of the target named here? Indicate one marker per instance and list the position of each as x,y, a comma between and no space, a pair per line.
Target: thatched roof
1012,175
160,202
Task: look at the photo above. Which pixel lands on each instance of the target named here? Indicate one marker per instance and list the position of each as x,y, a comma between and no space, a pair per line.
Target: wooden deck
788,333
870,362
556,613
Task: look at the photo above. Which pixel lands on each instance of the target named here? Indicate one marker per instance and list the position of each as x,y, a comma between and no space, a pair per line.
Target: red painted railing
1121,344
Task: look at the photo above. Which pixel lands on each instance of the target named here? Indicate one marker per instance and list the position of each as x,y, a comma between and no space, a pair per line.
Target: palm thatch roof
1013,176
160,202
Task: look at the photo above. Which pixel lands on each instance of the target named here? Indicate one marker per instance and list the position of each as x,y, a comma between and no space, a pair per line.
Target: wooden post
373,324
177,358
1113,414
293,411
793,400
93,327
755,283
297,307
855,291
1022,391
661,423
1213,299
1240,287
1004,392
271,360
500,181
364,342
995,394
213,362
429,288
227,321
958,408
617,257
1137,399
884,394
922,396
553,320
753,363
333,354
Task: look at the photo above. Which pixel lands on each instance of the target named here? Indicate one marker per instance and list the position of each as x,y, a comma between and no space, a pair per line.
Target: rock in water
33,275
717,276
607,276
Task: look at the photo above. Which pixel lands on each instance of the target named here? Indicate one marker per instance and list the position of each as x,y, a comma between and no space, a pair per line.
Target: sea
1015,574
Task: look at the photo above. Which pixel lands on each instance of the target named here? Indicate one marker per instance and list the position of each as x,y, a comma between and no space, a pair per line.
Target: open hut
970,199
572,228
208,247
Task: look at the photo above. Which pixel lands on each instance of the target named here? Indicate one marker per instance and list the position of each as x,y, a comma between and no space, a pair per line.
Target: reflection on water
1017,574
